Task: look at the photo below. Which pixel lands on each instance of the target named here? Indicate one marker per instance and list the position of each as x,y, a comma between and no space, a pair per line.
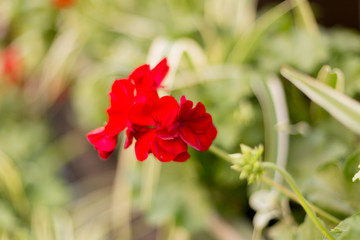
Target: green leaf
349,229
308,230
282,230
343,108
328,189
351,165
180,197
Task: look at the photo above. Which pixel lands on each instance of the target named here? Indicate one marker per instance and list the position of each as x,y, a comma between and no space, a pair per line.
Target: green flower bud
248,162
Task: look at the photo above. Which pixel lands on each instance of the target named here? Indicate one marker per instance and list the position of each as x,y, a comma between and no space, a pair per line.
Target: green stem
301,198
293,197
220,153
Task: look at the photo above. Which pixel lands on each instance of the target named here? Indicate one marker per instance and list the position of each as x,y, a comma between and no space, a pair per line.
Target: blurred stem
177,233
293,197
121,204
257,234
301,198
151,173
222,230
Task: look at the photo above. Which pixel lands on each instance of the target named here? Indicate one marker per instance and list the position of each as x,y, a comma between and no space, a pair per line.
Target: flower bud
248,162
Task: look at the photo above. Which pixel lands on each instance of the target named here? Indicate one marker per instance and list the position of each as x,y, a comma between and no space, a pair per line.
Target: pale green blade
270,94
248,42
343,108
305,16
11,182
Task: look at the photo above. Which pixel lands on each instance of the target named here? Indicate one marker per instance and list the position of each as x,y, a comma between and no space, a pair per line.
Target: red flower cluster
12,64
63,3
161,126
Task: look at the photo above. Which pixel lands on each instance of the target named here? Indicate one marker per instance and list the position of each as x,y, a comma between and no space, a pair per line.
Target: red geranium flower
160,126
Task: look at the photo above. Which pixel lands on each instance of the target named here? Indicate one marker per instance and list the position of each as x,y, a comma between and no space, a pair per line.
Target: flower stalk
300,197
293,197
221,153
252,157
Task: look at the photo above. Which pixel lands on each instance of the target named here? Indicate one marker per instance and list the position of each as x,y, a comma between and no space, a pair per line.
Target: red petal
175,146
141,78
166,133
197,128
167,150
200,142
122,95
142,113
116,123
143,144
104,155
95,135
139,73
161,154
183,99
159,72
182,157
166,110
129,137
134,131
121,101
185,109
103,143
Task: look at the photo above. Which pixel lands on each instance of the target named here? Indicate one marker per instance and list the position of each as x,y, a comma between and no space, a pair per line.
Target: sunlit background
58,59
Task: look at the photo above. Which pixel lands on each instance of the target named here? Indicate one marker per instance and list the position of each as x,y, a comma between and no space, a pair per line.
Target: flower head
248,163
160,126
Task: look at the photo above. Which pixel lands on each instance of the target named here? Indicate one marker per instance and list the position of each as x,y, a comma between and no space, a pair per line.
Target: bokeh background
58,59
